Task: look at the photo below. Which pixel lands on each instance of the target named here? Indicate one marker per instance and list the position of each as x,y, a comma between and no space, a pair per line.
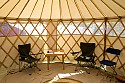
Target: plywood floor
55,73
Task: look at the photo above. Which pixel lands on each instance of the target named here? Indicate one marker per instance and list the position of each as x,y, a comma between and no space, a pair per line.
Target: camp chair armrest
74,53
36,53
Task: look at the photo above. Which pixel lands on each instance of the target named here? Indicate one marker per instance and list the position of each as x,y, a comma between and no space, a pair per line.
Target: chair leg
19,66
37,67
28,66
25,67
107,75
87,71
34,65
114,72
99,71
77,65
28,71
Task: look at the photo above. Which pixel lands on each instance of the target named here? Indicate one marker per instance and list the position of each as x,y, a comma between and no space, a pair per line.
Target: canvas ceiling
61,9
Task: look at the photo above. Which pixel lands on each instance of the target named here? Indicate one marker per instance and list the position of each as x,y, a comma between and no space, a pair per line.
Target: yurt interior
58,27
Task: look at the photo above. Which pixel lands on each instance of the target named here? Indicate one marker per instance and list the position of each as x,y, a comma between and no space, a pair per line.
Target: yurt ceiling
61,9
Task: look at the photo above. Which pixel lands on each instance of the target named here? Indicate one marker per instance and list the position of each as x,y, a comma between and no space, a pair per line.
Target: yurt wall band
61,34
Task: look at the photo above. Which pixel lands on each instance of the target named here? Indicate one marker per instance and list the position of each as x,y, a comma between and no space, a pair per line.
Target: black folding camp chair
87,54
29,59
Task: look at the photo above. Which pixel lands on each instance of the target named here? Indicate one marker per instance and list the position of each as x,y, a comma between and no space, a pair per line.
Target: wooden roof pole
105,36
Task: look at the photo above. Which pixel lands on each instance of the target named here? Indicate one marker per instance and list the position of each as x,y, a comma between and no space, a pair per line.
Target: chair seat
107,63
29,59
84,59
32,59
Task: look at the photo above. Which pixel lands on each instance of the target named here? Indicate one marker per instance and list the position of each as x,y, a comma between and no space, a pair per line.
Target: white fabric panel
117,9
83,10
64,10
93,10
2,2
28,9
73,9
47,9
55,10
121,2
38,9
17,10
7,8
105,10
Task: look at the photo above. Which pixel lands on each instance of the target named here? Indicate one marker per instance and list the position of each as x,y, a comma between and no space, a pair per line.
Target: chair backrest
87,48
24,50
113,51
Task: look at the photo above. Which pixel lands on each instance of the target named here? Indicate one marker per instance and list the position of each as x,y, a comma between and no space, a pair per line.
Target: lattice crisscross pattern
59,34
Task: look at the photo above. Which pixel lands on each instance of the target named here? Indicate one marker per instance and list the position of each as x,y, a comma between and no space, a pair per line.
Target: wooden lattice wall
60,34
